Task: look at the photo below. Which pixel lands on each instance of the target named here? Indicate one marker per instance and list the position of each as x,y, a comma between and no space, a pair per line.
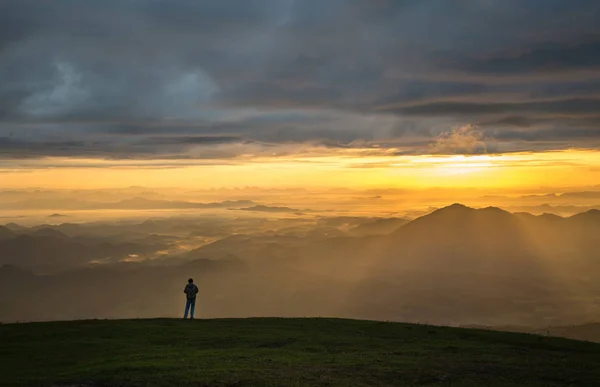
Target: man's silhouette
190,291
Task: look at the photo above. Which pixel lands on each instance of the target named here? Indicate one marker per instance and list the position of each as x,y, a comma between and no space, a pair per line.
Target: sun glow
354,168
458,164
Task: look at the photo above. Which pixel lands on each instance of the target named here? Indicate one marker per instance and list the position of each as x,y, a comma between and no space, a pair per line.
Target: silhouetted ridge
461,231
57,215
586,218
49,232
263,208
5,233
456,207
548,224
454,211
446,216
589,213
15,227
551,217
494,210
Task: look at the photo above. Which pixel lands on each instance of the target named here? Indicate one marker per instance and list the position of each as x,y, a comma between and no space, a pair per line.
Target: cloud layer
218,79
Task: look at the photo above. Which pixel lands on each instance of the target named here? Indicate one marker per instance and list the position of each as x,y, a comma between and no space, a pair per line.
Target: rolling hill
454,266
285,352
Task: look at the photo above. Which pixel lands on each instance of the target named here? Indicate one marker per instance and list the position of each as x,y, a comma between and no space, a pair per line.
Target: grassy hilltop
285,352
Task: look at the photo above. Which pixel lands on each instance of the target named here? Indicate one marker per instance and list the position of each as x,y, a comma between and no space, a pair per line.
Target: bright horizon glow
362,168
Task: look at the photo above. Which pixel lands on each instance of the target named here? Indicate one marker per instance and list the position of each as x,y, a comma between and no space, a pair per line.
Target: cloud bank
218,79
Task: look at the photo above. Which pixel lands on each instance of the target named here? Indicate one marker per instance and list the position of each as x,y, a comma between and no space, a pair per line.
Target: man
190,291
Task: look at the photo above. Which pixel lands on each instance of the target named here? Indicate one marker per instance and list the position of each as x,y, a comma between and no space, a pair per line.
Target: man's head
190,281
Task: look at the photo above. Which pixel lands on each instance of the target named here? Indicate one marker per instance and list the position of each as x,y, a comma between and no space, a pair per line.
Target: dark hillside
285,352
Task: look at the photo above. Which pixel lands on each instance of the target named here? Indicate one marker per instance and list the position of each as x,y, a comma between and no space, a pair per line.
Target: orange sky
352,169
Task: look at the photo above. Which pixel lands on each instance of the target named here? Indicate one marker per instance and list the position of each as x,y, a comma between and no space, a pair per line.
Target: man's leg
193,302
187,308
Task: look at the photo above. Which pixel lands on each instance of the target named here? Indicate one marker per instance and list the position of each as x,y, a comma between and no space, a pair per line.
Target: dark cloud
553,134
571,106
550,58
158,78
195,140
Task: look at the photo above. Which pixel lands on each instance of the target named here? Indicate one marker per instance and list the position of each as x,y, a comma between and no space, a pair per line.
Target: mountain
48,204
526,216
139,203
581,195
262,208
550,217
496,241
456,265
545,228
458,230
456,238
57,215
48,249
6,233
588,218
563,210
49,232
15,227
378,227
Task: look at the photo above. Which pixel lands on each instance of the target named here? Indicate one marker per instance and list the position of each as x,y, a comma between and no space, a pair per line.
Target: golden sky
568,168
300,94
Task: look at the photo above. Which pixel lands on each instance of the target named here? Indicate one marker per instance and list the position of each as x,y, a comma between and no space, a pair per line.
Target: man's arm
196,289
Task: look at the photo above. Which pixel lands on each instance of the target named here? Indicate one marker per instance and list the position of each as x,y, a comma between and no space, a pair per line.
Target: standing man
190,291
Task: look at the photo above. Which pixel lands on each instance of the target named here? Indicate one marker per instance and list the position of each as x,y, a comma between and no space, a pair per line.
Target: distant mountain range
456,265
50,250
263,208
138,203
379,226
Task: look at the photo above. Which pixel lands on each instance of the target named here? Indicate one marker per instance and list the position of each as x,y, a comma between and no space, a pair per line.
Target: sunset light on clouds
299,94
356,192
566,169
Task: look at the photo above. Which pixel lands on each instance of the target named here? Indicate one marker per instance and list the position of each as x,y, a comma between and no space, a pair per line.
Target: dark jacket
191,290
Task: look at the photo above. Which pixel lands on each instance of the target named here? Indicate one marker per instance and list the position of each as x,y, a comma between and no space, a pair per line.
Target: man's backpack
191,291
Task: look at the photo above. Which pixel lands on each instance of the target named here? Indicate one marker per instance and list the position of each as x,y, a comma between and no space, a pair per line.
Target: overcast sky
195,79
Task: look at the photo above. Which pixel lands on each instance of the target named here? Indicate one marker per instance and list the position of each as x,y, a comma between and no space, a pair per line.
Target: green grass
285,352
